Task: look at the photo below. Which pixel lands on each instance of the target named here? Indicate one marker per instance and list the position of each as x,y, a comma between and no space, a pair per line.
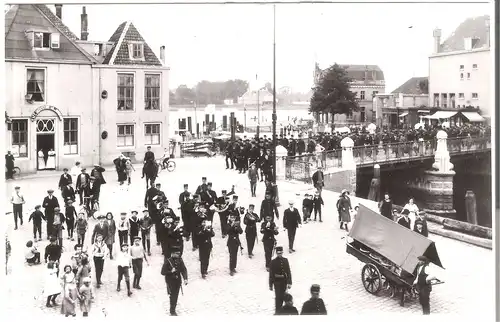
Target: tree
184,95
332,94
172,99
206,92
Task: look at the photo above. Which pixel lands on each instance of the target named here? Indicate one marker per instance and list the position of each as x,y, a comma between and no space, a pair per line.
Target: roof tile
411,86
56,21
471,28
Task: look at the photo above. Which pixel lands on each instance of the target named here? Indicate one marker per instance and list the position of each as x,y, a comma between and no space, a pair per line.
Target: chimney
437,40
162,54
84,25
59,10
487,23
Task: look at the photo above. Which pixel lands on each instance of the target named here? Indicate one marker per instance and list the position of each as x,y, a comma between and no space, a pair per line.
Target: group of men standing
241,153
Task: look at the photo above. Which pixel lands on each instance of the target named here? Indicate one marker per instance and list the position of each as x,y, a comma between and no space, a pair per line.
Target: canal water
472,175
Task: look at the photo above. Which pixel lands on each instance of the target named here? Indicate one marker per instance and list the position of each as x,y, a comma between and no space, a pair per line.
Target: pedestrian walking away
269,230
291,221
250,220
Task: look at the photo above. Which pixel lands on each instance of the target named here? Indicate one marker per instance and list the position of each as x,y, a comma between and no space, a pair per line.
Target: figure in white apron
51,160
41,160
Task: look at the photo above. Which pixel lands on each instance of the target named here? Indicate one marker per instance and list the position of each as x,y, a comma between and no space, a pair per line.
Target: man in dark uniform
202,186
184,199
301,145
315,305
222,204
280,277
237,155
288,308
149,203
250,221
205,234
423,283
229,156
268,207
268,229
291,221
211,198
149,156
233,241
49,204
174,271
174,236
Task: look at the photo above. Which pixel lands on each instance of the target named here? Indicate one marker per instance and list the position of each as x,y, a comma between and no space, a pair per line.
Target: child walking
138,255
70,292
37,217
70,214
81,228
123,227
85,296
317,204
124,261
306,208
133,226
128,169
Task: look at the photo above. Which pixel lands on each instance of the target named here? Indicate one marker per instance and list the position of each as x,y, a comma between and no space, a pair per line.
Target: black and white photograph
249,159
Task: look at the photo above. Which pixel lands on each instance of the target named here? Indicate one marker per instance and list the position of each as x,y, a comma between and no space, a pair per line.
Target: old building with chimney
81,100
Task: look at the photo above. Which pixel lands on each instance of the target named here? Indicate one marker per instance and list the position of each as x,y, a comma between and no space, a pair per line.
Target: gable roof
119,53
472,27
411,86
23,17
356,72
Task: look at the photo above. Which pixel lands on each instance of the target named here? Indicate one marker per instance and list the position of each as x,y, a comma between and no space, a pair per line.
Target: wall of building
111,116
409,100
444,76
69,88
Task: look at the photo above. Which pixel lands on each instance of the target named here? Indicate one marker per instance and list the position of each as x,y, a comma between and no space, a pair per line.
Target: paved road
320,258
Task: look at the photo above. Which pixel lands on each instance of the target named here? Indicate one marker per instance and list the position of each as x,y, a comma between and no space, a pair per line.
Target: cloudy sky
220,42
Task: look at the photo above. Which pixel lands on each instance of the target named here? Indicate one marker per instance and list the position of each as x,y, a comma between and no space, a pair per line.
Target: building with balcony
460,71
367,81
76,99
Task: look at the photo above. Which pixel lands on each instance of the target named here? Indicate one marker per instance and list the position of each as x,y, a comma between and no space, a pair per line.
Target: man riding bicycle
164,159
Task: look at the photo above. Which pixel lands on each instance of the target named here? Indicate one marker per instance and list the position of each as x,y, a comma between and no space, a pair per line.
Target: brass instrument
222,207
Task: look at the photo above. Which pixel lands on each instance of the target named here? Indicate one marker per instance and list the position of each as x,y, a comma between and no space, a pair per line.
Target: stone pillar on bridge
438,182
349,164
281,153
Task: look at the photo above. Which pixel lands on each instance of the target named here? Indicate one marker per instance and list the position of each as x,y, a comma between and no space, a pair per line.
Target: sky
221,42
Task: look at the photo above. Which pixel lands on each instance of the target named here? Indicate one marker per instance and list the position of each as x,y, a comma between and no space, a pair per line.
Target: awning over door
403,114
441,115
473,116
423,111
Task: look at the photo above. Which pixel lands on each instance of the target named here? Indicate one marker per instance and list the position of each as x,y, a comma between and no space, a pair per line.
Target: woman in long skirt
344,209
70,292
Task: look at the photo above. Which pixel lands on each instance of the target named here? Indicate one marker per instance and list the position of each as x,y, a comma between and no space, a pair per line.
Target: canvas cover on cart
398,244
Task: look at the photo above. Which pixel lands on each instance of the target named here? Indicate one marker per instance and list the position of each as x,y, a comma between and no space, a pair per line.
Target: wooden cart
390,253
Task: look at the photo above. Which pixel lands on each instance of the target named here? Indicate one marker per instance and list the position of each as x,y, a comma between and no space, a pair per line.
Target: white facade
460,79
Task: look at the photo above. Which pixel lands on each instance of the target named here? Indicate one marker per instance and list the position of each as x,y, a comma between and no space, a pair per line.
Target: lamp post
274,106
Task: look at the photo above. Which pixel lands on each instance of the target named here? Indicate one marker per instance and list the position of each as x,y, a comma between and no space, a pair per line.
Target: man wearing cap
17,201
174,236
233,241
37,217
251,219
229,156
280,277
97,173
94,192
318,179
268,229
423,283
65,179
101,228
183,198
49,204
174,271
288,308
145,224
210,201
204,236
149,156
149,203
223,206
291,221
202,186
315,305
82,185
68,193
53,251
268,207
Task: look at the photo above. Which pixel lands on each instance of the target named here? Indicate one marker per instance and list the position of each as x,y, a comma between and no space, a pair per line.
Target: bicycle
166,163
86,207
16,172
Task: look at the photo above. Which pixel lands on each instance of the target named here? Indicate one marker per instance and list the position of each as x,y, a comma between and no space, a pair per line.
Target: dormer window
44,40
136,50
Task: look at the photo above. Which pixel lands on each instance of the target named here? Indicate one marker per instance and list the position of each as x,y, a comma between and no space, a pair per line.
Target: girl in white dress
41,160
413,209
52,287
51,160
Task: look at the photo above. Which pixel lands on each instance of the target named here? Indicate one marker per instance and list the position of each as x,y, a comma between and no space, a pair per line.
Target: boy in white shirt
124,262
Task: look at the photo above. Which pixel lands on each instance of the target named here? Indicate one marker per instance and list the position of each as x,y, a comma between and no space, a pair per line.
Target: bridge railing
393,151
466,144
299,167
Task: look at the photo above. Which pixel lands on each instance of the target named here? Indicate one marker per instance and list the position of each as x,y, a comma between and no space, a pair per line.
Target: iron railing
299,168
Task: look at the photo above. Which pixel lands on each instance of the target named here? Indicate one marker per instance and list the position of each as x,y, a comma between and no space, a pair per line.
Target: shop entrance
46,159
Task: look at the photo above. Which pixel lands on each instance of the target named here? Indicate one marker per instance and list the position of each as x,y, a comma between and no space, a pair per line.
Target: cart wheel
170,166
371,278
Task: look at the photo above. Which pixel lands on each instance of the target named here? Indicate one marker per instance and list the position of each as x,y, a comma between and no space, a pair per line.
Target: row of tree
206,92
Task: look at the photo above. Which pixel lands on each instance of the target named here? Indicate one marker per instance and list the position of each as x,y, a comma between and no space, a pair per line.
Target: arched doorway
45,143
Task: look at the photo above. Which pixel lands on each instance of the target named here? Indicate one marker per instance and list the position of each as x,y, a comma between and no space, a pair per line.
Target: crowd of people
68,229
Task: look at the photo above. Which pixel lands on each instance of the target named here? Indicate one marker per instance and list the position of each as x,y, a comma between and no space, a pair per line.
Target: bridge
302,167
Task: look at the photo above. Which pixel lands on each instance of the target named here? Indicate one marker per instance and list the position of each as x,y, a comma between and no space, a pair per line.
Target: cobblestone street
320,258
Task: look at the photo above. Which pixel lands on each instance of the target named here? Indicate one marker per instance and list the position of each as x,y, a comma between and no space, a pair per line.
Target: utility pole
274,107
